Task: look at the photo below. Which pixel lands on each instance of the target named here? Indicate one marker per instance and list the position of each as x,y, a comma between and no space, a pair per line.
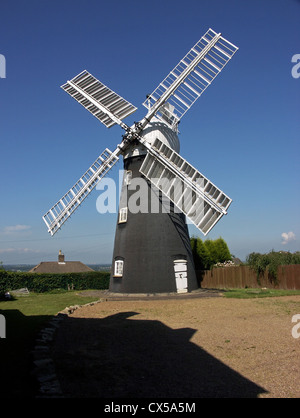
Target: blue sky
243,133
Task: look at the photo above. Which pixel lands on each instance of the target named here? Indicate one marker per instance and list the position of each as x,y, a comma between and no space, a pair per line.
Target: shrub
270,262
46,282
3,281
208,253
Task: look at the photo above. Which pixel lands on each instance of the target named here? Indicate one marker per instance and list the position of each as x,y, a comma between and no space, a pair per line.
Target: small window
128,177
119,268
123,215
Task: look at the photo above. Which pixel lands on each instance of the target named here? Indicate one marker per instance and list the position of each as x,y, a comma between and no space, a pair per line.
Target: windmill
152,252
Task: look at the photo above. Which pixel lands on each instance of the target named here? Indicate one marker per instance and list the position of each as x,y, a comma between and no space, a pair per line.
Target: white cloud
16,228
287,237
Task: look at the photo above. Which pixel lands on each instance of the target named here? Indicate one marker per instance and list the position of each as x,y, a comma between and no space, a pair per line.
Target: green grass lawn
258,293
45,303
25,316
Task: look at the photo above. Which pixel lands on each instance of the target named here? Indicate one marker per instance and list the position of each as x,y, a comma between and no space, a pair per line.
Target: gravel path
185,348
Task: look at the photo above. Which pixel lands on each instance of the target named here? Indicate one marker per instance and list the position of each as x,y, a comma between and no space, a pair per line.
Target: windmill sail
191,76
65,207
196,196
106,105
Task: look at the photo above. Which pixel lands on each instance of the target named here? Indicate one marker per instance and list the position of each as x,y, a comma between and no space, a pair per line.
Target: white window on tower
118,271
123,215
128,177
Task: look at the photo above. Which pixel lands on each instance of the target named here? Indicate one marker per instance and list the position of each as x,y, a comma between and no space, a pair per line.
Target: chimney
61,257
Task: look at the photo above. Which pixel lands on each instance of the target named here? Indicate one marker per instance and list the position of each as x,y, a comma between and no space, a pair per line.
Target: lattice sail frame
203,63
64,208
193,193
102,102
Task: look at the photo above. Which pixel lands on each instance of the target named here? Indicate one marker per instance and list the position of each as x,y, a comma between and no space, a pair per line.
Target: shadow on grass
121,356
16,361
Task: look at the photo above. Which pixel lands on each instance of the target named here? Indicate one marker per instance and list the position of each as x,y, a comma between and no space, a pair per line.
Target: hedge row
45,282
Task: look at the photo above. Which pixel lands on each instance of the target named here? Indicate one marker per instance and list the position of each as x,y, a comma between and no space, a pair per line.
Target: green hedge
45,282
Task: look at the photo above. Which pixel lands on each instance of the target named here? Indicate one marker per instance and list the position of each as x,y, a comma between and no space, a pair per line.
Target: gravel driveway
180,347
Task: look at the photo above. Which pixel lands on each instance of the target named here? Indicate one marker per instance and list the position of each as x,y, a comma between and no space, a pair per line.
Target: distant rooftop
60,266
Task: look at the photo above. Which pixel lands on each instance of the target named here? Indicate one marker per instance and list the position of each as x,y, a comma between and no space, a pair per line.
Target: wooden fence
288,277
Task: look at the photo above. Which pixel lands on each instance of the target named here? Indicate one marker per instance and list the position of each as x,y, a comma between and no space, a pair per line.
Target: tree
270,262
209,252
196,257
200,254
210,248
222,250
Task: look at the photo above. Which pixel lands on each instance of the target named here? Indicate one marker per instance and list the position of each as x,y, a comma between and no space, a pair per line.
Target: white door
180,268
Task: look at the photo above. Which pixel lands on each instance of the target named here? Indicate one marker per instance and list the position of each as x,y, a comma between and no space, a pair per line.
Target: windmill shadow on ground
118,356
16,358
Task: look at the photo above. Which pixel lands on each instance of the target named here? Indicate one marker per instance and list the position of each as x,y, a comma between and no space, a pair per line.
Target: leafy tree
204,255
200,254
196,256
270,262
209,252
222,250
210,248
257,262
